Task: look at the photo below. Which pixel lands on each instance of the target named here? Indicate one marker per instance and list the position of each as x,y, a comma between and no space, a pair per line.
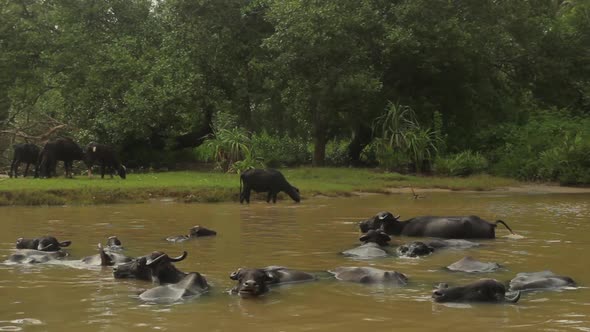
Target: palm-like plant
229,146
398,131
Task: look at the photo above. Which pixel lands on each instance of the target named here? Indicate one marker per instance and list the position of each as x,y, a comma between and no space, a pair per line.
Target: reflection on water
553,235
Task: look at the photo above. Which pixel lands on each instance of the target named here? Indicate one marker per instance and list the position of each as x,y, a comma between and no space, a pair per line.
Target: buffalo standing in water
484,290
266,180
460,227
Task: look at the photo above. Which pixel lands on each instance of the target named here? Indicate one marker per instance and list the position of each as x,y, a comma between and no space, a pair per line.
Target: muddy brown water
307,236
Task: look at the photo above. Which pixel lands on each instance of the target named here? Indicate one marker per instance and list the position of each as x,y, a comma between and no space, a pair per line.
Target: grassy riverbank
189,186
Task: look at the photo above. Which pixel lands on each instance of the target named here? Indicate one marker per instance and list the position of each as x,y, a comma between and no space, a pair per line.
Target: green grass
191,186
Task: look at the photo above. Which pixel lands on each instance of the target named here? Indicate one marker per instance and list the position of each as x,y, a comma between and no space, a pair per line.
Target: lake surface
306,236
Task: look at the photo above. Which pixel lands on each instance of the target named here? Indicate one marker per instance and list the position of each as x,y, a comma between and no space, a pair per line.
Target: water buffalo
414,249
192,285
255,282
61,149
24,153
114,244
484,290
194,232
470,265
156,267
106,257
31,256
106,157
370,275
373,241
266,180
459,227
451,244
540,280
44,243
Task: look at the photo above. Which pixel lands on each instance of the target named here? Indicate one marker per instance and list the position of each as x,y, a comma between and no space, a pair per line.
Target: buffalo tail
505,225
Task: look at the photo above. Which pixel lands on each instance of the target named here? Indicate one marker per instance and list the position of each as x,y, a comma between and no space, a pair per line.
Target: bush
337,152
551,146
277,151
461,164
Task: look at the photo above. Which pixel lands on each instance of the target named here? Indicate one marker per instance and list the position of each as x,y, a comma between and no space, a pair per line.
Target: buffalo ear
65,243
364,238
235,275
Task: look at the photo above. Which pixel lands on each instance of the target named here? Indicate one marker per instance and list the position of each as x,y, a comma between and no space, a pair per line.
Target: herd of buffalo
173,284
44,160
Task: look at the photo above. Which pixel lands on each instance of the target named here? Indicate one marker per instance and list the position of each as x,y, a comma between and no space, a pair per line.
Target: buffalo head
198,231
375,236
484,290
251,282
384,221
157,266
122,171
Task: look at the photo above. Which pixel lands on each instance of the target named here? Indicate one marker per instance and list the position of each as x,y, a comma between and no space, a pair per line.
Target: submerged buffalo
540,280
106,257
255,282
32,256
370,275
266,180
459,227
484,290
44,243
470,265
451,244
194,232
372,247
192,285
156,267
414,249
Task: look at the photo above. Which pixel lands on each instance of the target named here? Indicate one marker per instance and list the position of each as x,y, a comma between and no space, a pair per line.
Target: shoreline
213,187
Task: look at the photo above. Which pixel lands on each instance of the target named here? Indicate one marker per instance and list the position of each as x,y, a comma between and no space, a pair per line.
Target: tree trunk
362,137
319,150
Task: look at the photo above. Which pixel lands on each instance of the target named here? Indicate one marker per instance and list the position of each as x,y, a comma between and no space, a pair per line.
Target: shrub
337,152
461,164
277,151
551,146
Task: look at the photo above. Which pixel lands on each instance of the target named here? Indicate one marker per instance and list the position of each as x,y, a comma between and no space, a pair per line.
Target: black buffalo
106,157
44,243
266,180
255,282
460,227
194,232
156,267
24,153
61,149
484,290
